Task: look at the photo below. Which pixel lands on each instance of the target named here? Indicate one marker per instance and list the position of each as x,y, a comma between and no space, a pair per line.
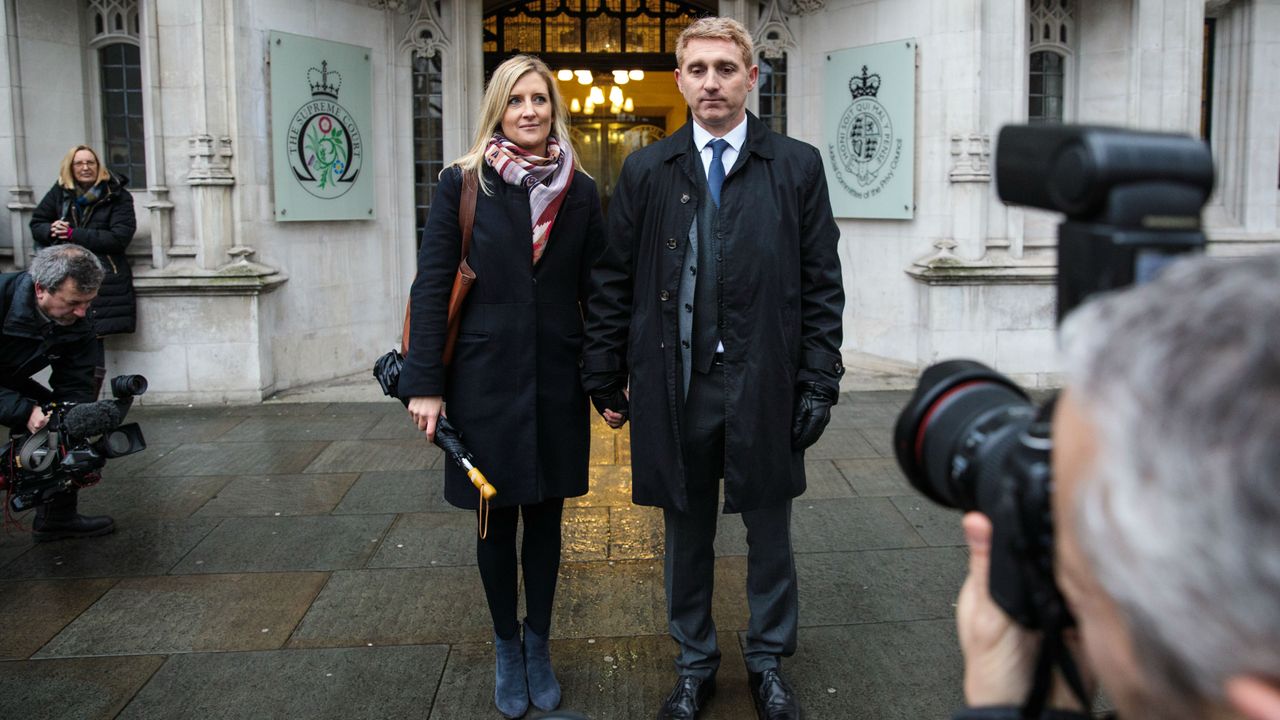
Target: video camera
970,438
70,450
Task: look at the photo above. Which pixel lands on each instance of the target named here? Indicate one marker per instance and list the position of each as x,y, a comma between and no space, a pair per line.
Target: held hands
425,411
60,230
812,413
612,401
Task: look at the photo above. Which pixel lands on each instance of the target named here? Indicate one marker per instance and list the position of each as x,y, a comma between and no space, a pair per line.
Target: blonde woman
512,388
89,206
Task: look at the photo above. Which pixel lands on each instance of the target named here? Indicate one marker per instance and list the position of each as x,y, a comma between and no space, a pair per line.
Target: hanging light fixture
564,75
584,76
615,95
596,96
620,77
575,106
636,75
629,106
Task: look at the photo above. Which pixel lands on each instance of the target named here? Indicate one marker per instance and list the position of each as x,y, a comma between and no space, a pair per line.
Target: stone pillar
1164,81
20,196
1245,136
160,207
211,182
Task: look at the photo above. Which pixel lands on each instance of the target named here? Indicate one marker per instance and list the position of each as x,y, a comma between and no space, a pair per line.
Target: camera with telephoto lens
71,449
970,438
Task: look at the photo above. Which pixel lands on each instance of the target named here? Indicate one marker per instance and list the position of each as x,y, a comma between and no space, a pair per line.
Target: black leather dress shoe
773,697
687,698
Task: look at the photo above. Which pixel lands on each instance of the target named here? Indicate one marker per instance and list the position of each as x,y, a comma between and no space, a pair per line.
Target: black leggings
539,556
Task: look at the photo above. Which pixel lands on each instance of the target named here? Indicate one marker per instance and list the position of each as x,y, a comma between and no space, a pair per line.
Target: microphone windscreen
90,419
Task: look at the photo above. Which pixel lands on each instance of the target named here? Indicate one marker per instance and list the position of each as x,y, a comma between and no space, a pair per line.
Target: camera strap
1054,654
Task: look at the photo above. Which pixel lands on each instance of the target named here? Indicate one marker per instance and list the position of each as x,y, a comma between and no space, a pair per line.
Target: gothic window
115,40
1051,30
773,92
428,134
123,141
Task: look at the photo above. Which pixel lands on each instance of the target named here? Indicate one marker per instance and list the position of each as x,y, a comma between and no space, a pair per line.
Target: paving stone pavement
298,560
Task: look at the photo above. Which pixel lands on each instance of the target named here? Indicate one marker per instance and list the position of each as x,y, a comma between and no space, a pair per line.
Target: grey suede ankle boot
510,689
544,689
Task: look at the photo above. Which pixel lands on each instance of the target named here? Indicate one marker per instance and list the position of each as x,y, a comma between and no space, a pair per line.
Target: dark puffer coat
513,389
105,227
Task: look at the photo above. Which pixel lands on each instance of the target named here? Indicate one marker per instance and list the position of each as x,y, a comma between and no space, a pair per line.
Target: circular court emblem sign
865,134
324,141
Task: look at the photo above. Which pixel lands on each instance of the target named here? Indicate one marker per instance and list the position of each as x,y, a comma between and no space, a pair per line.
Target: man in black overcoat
43,325
717,305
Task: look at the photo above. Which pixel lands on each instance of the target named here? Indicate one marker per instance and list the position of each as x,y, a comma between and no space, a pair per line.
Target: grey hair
1180,519
54,264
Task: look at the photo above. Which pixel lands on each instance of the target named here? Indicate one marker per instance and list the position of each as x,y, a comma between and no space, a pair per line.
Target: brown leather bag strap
467,212
467,220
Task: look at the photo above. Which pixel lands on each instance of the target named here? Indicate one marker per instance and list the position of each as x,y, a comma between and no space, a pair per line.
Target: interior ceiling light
615,95
636,74
584,76
564,75
629,106
575,106
596,96
620,77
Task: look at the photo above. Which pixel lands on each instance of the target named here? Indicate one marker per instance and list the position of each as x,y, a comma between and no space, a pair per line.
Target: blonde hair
494,105
67,179
716,28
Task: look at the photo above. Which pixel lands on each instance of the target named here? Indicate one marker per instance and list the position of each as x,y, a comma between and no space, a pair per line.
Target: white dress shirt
736,138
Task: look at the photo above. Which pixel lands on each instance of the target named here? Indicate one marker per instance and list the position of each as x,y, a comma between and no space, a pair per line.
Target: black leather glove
609,396
812,413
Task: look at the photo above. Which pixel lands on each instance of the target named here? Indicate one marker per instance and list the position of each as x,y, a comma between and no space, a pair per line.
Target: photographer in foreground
42,312
1166,506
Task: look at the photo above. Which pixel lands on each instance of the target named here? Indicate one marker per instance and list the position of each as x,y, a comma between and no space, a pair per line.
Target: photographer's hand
37,420
999,654
425,411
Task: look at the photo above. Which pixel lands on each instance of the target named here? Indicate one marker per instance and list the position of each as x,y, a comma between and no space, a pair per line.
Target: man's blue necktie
715,178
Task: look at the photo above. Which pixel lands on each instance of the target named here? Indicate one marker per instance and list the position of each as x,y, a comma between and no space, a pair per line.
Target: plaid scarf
546,178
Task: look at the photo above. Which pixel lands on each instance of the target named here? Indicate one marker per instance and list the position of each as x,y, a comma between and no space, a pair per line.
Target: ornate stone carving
970,158
807,7
772,37
426,36
393,5
210,160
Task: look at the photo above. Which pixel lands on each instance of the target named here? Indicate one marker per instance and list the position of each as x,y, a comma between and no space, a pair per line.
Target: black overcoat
513,389
106,227
780,296
29,344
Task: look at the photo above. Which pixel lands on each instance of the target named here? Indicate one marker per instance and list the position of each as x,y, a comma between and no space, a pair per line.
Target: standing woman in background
90,206
512,388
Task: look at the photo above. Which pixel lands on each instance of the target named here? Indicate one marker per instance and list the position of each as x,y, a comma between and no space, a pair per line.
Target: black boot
57,520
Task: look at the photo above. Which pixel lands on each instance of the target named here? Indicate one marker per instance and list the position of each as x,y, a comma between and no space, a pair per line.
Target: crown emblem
327,83
866,85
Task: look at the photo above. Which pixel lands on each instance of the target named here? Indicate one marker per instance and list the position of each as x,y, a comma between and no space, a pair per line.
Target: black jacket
105,227
29,344
781,300
513,388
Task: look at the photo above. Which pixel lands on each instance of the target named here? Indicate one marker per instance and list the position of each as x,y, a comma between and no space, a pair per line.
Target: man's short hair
54,264
716,28
1180,515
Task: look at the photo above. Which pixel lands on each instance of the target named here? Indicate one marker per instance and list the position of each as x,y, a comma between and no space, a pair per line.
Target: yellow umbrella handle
487,492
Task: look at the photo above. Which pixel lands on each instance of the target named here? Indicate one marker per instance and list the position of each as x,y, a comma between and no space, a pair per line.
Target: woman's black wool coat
105,227
513,388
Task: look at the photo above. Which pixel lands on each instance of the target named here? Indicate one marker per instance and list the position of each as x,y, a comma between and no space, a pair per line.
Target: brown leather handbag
462,280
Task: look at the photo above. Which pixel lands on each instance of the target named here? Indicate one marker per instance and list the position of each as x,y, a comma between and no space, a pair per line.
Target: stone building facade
235,305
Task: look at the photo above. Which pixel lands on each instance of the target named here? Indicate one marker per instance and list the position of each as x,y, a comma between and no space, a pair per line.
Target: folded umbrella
450,441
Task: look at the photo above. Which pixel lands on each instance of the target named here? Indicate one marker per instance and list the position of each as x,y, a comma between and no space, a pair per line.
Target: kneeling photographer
43,317
1128,531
